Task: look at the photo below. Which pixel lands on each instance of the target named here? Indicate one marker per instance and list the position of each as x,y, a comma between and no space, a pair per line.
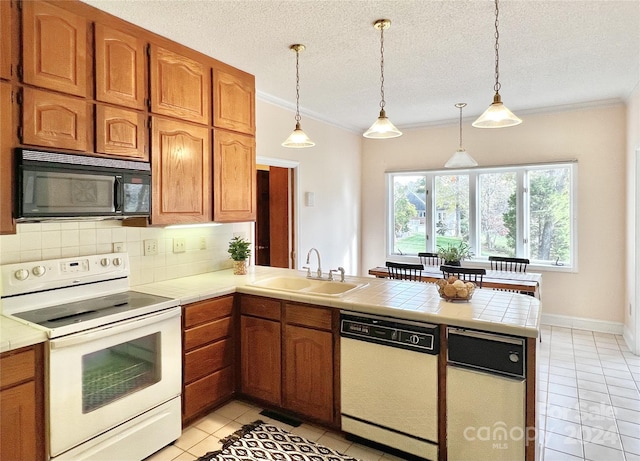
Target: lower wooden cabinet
209,356
308,357
22,415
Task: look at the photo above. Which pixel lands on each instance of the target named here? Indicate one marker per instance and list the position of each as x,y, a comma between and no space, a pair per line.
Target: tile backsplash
38,241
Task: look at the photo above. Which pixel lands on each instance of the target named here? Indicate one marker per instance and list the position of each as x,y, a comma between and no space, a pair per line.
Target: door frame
295,222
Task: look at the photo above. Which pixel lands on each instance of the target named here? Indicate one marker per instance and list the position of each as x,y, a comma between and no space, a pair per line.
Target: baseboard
580,323
629,338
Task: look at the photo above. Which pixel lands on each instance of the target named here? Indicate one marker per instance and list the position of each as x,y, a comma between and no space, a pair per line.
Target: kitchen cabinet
260,349
7,226
233,100
209,354
121,132
21,428
5,39
54,48
120,67
234,181
180,86
308,351
54,120
181,172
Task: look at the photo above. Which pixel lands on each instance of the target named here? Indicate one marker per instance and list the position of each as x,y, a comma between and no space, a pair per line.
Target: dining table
529,283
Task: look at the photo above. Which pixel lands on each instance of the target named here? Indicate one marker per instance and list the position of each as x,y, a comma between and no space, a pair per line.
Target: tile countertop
488,310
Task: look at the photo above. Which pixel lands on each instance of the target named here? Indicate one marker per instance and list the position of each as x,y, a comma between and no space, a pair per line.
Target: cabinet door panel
54,48
180,87
54,120
234,170
260,358
120,132
5,40
18,423
6,159
119,68
181,173
308,383
234,101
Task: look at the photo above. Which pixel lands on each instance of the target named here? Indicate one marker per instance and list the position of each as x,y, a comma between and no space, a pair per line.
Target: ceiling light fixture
298,139
461,159
497,115
382,128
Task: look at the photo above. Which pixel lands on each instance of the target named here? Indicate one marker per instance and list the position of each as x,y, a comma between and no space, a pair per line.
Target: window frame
522,211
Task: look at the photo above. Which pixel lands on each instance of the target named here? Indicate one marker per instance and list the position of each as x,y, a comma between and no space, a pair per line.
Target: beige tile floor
588,396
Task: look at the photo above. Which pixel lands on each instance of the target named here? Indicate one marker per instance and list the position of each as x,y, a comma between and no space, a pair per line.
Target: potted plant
454,253
240,251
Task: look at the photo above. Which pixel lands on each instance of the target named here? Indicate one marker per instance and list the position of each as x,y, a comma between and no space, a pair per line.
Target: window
522,211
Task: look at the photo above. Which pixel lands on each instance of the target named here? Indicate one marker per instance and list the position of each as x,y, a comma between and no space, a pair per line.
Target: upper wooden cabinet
181,173
54,48
56,121
5,40
180,86
7,225
121,132
234,100
120,60
234,183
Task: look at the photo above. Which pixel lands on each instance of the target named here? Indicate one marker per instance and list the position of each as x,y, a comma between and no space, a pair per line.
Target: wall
331,170
594,136
631,313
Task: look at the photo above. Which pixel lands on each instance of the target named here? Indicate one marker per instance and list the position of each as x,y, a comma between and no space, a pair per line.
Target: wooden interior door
279,217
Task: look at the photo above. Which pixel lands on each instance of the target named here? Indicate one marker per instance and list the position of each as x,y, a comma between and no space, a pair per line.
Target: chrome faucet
319,271
339,269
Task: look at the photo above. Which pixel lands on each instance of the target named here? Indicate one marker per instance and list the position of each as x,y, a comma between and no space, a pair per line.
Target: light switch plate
179,245
150,247
119,247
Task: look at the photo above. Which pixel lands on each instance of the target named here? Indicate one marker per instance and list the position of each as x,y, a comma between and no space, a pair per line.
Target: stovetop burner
90,309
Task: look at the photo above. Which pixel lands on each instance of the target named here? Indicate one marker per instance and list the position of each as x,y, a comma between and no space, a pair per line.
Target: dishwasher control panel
387,331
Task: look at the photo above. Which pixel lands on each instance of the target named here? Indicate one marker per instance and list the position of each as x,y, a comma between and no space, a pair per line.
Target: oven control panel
27,277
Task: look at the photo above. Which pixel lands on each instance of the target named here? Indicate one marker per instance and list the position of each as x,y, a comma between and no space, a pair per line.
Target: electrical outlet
203,243
119,247
179,245
150,247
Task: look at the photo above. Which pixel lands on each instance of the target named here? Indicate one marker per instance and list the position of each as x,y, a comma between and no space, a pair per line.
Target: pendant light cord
298,86
382,68
460,106
496,87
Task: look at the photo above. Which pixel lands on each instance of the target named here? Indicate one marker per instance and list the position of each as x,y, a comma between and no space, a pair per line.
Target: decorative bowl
453,290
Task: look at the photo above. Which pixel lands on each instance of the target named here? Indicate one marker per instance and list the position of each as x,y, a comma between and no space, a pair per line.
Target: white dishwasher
389,382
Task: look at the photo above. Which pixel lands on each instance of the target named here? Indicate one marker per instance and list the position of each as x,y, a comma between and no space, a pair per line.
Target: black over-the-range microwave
55,185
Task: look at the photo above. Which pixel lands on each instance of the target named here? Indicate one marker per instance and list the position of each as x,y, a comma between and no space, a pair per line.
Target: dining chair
430,259
500,263
404,271
468,274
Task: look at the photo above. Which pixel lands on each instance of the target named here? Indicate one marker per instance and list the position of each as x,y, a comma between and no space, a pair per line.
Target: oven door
101,378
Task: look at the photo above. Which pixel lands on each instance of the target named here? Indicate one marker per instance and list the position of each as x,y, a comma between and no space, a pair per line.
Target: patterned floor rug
262,441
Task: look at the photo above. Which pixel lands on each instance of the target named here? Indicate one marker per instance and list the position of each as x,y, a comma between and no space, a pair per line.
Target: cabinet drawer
260,307
207,391
205,311
315,317
205,360
17,367
208,333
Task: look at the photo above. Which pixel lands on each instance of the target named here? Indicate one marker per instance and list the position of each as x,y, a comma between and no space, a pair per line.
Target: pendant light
382,128
497,115
298,139
461,159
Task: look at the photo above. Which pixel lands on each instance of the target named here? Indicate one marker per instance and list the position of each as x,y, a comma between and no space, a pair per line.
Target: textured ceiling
437,53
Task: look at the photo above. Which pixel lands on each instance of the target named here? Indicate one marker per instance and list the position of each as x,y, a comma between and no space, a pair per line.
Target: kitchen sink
308,286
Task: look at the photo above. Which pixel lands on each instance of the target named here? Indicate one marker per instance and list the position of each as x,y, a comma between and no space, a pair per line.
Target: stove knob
104,262
38,271
117,262
21,274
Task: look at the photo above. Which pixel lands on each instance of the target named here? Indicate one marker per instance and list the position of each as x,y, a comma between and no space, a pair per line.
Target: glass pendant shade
497,116
461,159
382,128
298,139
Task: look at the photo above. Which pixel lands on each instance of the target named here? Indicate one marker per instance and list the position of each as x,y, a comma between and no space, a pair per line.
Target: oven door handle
116,328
